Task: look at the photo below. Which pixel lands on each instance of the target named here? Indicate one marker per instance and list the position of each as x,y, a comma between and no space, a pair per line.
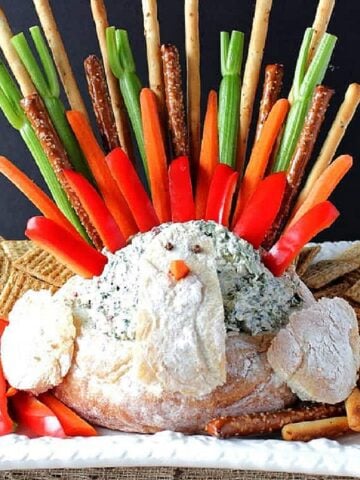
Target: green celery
304,86
47,85
10,98
123,67
229,96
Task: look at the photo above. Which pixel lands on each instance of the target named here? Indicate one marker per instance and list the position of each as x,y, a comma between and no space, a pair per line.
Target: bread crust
109,394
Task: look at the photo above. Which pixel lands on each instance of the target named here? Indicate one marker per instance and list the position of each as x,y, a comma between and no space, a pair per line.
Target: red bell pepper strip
180,188
98,212
6,424
3,325
261,209
69,249
72,424
36,418
289,245
129,183
221,192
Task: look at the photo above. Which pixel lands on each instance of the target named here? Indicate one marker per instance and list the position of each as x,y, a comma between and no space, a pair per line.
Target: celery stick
229,95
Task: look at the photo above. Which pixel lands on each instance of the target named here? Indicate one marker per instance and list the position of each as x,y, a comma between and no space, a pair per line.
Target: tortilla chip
326,271
43,266
15,249
306,258
17,284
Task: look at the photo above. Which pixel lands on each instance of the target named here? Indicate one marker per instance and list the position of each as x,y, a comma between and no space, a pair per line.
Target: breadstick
337,131
251,74
101,102
55,152
12,58
48,23
271,91
174,99
306,431
121,119
152,37
320,25
352,406
192,44
260,423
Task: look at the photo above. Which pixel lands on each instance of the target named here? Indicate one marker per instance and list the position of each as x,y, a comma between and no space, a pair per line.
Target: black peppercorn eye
196,249
169,246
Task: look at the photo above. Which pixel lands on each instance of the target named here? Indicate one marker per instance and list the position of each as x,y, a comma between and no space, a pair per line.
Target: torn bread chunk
318,353
37,346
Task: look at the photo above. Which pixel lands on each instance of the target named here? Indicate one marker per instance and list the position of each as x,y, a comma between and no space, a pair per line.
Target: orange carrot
209,155
323,187
261,153
155,155
95,157
41,201
179,269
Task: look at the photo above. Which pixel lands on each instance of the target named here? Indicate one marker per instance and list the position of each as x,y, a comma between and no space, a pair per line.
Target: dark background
288,20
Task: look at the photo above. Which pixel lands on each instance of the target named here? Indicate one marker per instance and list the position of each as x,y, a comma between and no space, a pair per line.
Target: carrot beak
179,269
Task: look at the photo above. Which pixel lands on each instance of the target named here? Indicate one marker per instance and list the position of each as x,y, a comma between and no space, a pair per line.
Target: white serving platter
114,449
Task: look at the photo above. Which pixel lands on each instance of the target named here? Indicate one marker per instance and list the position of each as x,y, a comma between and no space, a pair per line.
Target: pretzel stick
271,91
48,23
55,152
152,37
352,406
174,99
12,58
320,25
337,131
268,422
121,119
301,157
99,94
325,428
192,42
251,74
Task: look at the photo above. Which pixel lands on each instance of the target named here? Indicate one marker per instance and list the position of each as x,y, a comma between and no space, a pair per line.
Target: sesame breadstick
100,99
320,25
325,428
121,119
12,58
192,44
152,37
175,99
336,133
251,74
57,156
48,23
268,422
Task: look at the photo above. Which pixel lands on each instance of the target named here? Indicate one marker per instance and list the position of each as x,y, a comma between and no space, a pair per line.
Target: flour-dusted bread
318,353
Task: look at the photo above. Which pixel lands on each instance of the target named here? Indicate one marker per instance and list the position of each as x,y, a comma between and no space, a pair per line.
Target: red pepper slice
129,183
6,424
3,324
221,192
72,424
98,212
295,237
180,188
36,418
71,250
261,209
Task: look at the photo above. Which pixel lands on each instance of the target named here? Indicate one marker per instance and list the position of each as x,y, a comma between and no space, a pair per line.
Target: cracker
43,266
15,249
306,258
326,271
330,291
352,253
352,277
354,292
5,268
17,284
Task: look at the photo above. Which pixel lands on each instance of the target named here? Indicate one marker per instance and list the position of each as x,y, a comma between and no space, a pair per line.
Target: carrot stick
324,186
36,196
95,157
209,155
261,153
155,154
